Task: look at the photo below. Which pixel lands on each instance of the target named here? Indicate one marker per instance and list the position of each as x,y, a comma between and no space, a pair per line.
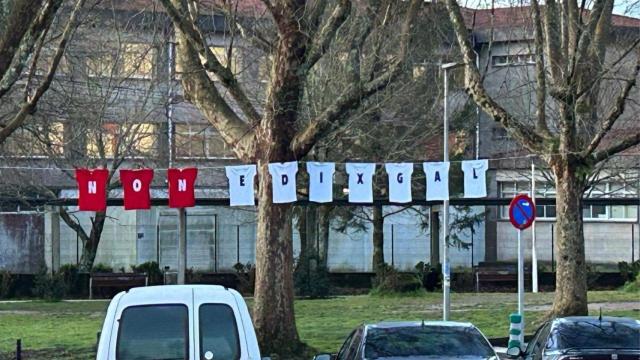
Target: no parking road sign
522,212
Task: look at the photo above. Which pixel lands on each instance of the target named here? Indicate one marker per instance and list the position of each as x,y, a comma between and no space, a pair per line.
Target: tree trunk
273,315
324,219
302,230
90,245
571,270
378,239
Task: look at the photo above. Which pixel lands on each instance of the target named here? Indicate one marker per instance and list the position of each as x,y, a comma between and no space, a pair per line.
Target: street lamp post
446,273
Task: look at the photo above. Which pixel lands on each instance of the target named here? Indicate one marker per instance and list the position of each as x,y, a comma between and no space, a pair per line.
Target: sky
621,7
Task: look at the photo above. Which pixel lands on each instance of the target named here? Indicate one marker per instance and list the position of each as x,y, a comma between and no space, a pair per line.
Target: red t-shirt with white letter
181,187
92,189
136,184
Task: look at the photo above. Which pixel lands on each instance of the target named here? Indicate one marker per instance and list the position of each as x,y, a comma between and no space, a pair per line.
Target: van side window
153,332
218,333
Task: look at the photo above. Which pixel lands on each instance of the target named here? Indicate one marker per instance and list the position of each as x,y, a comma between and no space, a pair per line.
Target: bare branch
198,42
527,137
29,106
541,89
323,38
617,147
356,94
39,25
615,112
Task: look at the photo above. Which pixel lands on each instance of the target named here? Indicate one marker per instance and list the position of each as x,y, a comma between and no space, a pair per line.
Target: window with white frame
512,60
509,189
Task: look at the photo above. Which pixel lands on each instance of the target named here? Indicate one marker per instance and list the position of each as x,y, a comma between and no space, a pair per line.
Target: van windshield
153,332
218,333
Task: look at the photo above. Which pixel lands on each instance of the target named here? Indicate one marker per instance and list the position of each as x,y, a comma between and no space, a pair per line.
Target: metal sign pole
521,280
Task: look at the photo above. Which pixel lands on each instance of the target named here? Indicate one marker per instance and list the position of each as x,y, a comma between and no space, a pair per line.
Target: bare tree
302,34
582,88
102,111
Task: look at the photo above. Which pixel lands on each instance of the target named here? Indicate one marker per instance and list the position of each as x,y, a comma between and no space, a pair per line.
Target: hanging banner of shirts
182,187
241,184
136,185
437,174
360,181
92,189
321,181
475,180
92,183
399,181
283,179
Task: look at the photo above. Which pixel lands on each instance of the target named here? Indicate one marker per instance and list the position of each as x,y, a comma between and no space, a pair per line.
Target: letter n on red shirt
92,189
181,187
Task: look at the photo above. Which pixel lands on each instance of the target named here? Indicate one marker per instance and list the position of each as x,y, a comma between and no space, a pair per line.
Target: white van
178,322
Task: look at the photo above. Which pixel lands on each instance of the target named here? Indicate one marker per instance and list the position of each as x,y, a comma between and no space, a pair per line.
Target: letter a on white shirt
437,174
360,182
475,180
241,184
321,181
399,181
283,180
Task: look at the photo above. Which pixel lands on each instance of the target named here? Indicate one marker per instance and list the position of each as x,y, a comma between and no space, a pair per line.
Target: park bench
123,281
497,272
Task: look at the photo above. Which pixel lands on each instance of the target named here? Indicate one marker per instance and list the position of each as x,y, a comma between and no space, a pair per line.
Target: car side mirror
514,352
323,357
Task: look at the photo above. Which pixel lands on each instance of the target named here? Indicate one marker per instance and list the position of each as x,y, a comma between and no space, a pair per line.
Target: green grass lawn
71,327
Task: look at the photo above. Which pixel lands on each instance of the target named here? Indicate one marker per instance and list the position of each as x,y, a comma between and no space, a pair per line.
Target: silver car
414,341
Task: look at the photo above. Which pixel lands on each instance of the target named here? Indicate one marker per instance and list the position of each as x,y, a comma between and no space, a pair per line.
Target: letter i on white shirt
283,179
321,181
241,184
399,181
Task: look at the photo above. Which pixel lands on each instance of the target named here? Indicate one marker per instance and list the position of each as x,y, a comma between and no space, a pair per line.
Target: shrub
246,276
6,284
632,286
48,286
101,268
311,278
389,281
430,276
628,271
152,269
71,279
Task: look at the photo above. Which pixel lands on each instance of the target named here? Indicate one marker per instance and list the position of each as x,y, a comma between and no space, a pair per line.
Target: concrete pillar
55,239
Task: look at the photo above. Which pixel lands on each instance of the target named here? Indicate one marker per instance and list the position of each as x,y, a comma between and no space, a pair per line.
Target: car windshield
157,332
414,341
594,335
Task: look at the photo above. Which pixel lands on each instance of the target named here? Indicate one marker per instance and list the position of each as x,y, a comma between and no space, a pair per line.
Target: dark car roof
596,320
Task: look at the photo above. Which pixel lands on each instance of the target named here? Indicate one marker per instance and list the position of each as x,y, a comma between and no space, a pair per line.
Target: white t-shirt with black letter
360,181
399,181
475,180
437,174
321,181
241,184
283,179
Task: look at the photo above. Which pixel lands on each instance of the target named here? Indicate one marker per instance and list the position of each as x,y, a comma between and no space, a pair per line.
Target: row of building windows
192,141
131,61
589,212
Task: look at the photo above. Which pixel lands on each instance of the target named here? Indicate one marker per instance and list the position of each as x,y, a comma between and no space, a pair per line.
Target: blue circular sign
522,212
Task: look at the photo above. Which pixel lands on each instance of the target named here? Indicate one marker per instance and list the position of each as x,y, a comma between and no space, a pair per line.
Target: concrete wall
21,242
608,243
